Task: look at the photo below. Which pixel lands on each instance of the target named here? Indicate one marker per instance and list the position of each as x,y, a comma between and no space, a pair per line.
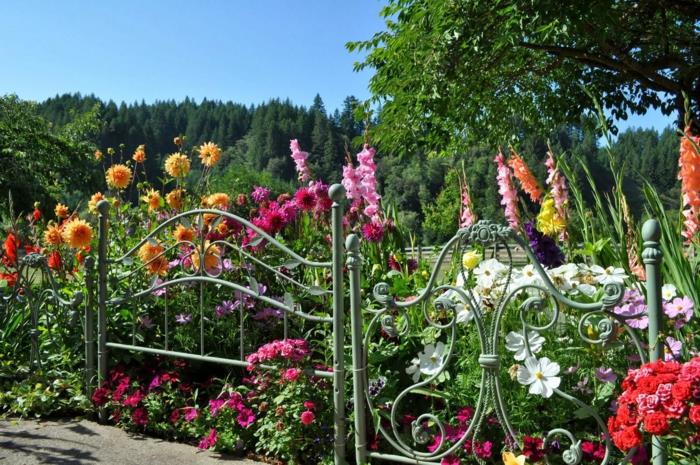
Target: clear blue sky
242,50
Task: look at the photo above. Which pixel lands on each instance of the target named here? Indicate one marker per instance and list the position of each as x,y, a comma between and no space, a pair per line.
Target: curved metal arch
221,213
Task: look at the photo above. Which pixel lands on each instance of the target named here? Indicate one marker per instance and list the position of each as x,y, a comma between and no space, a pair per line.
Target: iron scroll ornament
393,320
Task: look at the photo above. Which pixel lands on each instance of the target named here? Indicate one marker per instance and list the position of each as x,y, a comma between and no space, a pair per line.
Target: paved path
82,442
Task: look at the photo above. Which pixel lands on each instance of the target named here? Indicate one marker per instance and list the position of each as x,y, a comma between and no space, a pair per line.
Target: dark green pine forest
421,190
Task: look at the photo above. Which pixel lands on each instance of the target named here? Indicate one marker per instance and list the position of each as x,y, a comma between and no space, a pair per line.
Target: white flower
515,342
540,375
431,358
488,273
583,288
609,274
414,369
464,313
668,291
563,277
528,276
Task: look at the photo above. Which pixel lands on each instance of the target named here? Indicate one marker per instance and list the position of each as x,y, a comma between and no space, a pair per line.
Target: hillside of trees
421,190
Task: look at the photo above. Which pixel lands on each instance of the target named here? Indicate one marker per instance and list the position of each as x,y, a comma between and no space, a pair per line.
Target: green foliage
39,163
456,71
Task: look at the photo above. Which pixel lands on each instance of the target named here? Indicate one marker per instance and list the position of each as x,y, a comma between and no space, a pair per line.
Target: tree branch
650,78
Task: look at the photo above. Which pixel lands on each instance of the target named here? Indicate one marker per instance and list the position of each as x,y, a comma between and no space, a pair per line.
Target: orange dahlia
151,254
175,199
77,233
140,154
98,155
52,235
61,211
153,199
527,179
212,255
209,153
94,200
183,234
177,165
218,200
118,176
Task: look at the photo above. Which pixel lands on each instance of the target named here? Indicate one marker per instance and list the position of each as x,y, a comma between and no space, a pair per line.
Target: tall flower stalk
466,215
527,180
299,157
557,184
509,196
689,174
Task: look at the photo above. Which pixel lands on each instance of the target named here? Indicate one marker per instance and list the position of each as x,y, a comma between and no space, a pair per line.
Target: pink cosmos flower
307,417
680,306
672,349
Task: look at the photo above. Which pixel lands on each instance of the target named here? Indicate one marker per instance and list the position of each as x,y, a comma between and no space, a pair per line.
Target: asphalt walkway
83,442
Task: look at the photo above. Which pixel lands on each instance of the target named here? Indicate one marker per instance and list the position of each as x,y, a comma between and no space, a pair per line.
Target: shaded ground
82,442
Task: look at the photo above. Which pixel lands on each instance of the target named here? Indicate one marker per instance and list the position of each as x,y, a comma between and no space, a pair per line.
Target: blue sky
242,50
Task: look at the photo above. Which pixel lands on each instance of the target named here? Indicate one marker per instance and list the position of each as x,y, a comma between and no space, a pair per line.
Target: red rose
307,417
656,423
681,391
694,415
627,438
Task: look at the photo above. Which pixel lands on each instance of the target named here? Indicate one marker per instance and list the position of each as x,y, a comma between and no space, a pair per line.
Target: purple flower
633,304
183,318
146,321
158,292
681,308
266,313
544,247
672,348
226,307
582,387
228,264
260,194
605,375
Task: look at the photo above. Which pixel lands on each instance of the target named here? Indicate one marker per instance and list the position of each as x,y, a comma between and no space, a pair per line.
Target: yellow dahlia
92,204
209,153
77,233
152,198
52,235
98,155
212,254
140,154
218,200
151,254
118,176
61,211
183,234
175,198
177,165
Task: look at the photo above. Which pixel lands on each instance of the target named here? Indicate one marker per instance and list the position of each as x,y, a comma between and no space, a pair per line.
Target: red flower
656,423
694,415
209,441
682,391
307,417
55,260
36,214
11,245
309,405
11,278
175,416
648,384
305,199
100,396
139,416
627,438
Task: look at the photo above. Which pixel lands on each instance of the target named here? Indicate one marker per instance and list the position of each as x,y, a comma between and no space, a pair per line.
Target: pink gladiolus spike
300,158
509,196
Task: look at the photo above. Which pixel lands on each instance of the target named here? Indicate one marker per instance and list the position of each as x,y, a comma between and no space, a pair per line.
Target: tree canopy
455,71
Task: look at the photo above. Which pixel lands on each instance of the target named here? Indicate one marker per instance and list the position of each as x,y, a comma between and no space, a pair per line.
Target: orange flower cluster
152,198
183,234
175,199
212,255
77,233
218,200
53,235
94,200
527,180
209,153
177,165
118,176
61,211
689,174
98,155
140,154
151,254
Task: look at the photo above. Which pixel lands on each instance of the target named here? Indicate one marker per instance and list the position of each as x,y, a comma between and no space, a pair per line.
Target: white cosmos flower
583,288
431,358
489,272
610,274
540,375
563,277
515,342
528,276
414,369
668,291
